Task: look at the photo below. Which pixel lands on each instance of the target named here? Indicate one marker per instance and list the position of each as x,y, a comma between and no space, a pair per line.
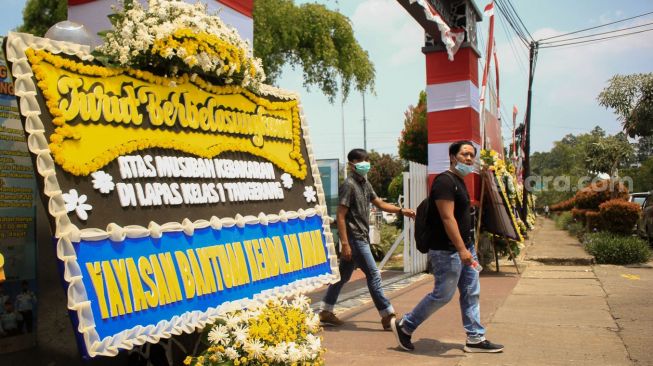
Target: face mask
464,169
362,168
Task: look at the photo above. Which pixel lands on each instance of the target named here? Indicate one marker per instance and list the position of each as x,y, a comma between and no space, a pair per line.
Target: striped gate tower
452,109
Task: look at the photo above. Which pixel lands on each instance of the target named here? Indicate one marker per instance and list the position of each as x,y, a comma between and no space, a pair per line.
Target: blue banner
143,281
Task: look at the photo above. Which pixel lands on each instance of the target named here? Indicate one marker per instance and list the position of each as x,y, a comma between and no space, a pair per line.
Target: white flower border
67,233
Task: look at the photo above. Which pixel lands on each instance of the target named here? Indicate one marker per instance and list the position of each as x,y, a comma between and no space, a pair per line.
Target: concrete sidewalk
556,313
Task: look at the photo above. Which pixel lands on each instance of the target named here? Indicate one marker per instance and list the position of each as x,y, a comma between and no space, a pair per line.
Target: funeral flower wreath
173,38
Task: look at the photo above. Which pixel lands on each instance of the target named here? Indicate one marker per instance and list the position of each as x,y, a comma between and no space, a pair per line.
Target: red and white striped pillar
452,110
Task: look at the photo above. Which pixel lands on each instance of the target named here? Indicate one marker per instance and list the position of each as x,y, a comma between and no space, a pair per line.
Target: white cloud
389,24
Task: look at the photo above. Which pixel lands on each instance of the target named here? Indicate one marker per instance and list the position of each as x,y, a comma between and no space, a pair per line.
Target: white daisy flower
241,333
313,343
219,335
255,349
286,180
293,352
232,321
313,321
231,353
309,193
77,203
103,181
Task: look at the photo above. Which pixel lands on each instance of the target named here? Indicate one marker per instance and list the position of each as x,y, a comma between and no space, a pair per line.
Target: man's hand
466,257
345,252
408,212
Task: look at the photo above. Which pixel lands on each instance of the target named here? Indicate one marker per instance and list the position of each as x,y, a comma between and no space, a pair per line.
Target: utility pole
527,130
342,117
364,125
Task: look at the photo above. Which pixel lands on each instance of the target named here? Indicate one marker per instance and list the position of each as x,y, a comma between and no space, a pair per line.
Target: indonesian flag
452,38
489,9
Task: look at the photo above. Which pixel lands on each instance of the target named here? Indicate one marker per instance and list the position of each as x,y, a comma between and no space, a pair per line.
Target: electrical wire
596,40
519,18
514,21
596,34
598,26
513,47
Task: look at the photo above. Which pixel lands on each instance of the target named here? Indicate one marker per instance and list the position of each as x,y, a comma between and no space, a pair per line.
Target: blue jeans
449,273
363,259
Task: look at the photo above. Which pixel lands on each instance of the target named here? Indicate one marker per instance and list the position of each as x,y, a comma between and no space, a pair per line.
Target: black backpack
424,222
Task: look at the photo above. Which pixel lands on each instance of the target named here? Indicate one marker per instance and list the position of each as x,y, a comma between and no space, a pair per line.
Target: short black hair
357,154
454,148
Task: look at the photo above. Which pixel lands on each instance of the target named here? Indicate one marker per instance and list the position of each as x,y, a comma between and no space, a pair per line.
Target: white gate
415,187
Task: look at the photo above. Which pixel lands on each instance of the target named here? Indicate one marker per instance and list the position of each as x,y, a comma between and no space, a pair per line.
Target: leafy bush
598,192
396,188
576,229
563,206
593,219
616,249
619,216
563,220
578,214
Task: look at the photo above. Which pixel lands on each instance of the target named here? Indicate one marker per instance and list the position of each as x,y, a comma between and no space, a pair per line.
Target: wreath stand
478,229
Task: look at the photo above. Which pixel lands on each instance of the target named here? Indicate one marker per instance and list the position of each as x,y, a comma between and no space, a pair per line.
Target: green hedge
563,220
619,216
610,248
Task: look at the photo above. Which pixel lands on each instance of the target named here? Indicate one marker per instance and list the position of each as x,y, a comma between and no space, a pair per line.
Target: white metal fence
415,190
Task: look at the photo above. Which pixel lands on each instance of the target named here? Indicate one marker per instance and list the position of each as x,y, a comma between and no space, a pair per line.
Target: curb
578,261
351,299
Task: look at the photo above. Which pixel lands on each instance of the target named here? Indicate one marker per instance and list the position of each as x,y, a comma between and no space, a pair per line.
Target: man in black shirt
452,256
355,195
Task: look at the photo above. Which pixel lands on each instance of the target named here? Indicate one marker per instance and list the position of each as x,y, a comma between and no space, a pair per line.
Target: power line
514,21
598,26
513,48
596,34
597,40
519,18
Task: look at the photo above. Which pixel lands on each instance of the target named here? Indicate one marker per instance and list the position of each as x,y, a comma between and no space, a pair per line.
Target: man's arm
409,212
445,208
345,249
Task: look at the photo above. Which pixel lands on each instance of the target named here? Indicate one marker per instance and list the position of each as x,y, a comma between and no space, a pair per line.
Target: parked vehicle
645,223
638,197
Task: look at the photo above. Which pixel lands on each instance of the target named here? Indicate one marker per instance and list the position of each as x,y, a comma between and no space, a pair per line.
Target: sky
566,84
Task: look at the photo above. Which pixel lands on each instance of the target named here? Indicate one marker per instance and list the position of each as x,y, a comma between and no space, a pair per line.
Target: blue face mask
464,169
363,167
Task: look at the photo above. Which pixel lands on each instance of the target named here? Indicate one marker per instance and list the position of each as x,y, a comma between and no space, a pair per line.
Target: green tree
643,149
641,176
319,40
607,153
564,163
631,97
384,169
413,143
40,15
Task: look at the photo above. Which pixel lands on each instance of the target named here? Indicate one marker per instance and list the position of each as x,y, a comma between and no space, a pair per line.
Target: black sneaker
483,347
402,338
